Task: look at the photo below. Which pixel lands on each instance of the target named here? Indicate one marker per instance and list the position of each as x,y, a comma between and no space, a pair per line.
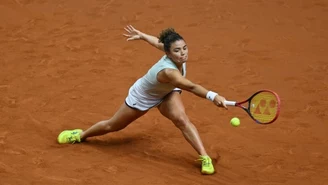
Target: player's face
178,52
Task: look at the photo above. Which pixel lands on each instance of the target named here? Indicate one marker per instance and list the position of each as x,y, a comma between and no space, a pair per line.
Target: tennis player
160,87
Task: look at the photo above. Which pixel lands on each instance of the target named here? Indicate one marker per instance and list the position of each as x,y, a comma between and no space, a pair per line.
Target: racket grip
230,103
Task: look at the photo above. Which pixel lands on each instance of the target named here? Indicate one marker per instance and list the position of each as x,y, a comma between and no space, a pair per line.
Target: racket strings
264,107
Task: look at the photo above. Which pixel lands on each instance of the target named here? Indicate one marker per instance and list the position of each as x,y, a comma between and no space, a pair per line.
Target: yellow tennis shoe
207,166
69,136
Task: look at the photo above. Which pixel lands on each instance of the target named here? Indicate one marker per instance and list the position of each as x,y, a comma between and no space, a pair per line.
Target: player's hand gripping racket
263,106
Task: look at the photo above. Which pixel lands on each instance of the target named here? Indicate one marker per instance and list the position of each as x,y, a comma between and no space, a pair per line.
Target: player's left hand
133,34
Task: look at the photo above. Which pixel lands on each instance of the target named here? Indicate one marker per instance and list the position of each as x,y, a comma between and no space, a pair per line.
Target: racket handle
230,103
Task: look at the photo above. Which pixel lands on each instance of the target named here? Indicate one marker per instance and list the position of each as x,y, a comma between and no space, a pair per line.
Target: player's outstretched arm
175,78
134,34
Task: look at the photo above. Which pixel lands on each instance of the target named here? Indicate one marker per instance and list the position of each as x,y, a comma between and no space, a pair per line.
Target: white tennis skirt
139,100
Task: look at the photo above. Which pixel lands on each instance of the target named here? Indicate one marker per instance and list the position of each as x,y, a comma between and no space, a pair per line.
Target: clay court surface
65,65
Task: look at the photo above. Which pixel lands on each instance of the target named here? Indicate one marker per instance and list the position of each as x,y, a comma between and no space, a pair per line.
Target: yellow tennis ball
235,122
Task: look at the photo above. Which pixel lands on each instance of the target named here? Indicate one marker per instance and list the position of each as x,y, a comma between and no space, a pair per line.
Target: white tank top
149,85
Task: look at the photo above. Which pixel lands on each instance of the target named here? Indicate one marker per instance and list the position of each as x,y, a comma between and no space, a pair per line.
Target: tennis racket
263,106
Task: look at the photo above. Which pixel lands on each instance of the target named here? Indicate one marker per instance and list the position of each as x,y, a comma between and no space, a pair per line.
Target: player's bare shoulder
167,75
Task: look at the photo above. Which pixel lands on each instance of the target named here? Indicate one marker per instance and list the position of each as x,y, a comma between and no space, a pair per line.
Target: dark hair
167,37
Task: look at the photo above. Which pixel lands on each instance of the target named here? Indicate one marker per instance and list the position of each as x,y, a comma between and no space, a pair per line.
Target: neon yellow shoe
69,136
207,166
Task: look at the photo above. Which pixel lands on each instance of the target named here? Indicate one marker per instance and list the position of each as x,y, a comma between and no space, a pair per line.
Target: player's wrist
142,36
211,95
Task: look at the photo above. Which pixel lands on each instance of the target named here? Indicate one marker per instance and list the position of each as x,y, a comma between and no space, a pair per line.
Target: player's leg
173,108
122,118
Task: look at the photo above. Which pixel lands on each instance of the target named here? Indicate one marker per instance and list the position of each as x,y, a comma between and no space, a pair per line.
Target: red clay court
65,65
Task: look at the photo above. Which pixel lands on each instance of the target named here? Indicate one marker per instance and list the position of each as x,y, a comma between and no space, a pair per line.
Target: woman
160,87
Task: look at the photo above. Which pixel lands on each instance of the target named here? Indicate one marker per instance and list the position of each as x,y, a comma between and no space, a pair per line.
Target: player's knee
105,125
180,120
109,126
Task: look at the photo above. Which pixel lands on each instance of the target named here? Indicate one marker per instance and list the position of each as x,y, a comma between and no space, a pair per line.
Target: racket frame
247,109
